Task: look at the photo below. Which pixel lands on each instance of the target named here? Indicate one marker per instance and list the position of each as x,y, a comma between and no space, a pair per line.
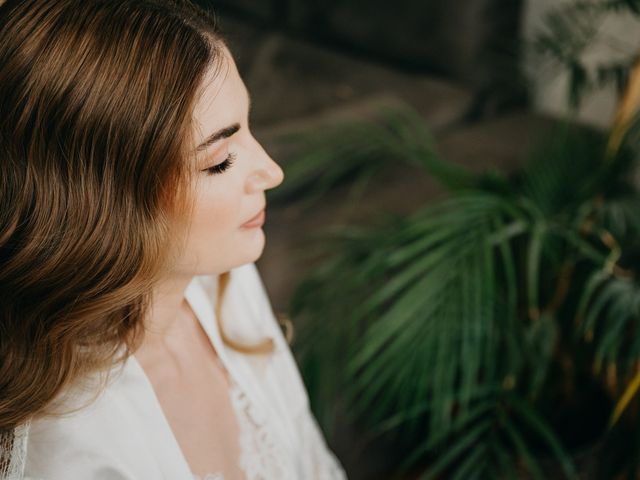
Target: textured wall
619,37
470,41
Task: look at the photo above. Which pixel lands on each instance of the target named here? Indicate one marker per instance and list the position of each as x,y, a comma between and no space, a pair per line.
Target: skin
188,379
223,202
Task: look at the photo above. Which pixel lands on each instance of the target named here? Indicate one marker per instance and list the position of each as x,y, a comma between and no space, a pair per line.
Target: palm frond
327,157
610,312
563,154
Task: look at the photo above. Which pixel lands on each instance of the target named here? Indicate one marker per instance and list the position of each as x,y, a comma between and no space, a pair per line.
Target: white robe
124,435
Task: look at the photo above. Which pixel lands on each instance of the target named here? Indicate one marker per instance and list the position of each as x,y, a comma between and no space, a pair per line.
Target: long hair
96,116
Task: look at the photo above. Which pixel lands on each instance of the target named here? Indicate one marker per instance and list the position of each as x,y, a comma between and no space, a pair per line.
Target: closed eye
221,167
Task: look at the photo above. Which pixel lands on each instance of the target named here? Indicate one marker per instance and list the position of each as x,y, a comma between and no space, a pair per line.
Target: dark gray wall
471,41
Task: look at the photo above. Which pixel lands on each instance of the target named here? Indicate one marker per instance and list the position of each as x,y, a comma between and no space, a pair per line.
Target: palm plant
461,330
468,332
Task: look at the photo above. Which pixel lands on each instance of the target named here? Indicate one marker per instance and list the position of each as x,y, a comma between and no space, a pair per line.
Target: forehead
221,97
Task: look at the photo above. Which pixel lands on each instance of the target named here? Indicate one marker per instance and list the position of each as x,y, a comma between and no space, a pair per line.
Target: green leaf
521,447
463,443
533,269
539,426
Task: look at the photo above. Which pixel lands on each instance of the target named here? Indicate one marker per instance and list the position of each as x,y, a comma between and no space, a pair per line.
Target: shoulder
92,440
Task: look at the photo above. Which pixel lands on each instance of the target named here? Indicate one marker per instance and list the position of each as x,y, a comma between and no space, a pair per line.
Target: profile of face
233,172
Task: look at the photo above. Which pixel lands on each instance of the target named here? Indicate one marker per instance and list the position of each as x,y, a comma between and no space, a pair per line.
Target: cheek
216,213
216,242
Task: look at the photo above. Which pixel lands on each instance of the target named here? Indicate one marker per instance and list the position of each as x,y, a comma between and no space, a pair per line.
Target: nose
267,173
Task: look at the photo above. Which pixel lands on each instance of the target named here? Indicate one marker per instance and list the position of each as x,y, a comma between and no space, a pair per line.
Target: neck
165,320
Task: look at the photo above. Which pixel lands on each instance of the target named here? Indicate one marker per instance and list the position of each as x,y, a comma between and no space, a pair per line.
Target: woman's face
233,172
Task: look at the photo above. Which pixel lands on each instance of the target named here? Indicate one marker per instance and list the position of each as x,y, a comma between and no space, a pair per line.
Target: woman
136,337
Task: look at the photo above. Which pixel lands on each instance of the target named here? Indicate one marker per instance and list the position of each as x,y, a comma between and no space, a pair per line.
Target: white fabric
13,451
124,434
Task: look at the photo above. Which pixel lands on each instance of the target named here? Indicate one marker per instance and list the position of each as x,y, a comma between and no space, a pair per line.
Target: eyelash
221,167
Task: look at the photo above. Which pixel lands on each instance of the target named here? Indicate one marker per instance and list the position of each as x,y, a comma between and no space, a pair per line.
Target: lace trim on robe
262,459
13,452
209,476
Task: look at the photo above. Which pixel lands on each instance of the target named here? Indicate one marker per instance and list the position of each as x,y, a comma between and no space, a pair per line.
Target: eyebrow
219,135
222,133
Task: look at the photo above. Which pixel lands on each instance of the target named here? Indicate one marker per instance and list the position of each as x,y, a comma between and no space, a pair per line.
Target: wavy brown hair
96,102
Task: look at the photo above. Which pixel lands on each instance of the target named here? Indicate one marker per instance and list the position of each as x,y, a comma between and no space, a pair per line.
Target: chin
259,249
246,249
253,249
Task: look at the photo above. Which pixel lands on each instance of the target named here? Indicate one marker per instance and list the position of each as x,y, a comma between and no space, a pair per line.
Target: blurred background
455,239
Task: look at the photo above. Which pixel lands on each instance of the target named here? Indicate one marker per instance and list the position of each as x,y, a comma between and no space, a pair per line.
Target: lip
256,221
